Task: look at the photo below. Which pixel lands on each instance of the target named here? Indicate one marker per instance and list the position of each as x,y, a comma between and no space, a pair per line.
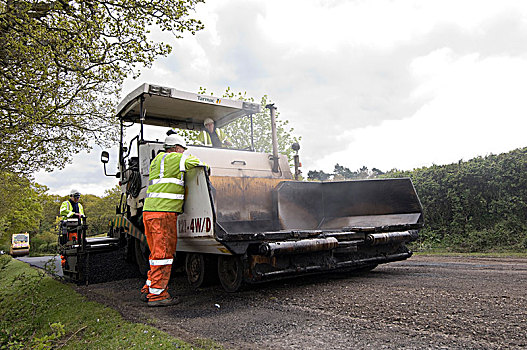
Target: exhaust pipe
391,237
297,247
274,138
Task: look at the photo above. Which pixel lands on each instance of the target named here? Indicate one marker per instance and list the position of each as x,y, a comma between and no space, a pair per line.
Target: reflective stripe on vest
161,262
166,190
182,167
206,138
162,166
69,208
167,180
167,187
165,195
155,291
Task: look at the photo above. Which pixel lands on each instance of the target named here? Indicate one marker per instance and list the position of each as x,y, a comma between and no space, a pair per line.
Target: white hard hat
173,141
75,193
208,121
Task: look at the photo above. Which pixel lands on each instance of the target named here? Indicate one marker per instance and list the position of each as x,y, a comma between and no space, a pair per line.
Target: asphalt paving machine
87,259
249,220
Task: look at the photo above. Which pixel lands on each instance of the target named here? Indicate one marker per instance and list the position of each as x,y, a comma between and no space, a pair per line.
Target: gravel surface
426,302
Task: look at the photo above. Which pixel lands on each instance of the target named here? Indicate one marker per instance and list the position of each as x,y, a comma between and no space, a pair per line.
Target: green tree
343,173
62,64
239,131
376,172
99,210
50,211
318,175
475,205
20,207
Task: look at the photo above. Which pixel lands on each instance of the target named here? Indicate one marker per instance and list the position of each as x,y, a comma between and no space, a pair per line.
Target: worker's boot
164,302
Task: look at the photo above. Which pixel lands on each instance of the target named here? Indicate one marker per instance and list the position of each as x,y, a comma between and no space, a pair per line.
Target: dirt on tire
426,302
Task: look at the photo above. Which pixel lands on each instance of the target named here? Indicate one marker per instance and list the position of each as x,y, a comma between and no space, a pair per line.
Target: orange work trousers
161,236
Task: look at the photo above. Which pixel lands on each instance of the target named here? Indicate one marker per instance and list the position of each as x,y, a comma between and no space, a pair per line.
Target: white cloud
85,174
475,107
327,25
384,84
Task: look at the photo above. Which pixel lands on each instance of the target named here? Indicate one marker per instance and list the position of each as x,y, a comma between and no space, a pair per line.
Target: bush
4,260
476,205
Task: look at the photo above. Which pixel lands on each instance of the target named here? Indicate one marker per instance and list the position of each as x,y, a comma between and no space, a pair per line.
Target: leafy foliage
318,175
343,173
20,207
39,312
27,302
239,131
477,205
99,210
470,206
62,64
26,206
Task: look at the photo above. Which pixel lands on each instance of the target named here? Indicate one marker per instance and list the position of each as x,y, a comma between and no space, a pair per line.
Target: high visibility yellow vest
166,186
66,209
204,137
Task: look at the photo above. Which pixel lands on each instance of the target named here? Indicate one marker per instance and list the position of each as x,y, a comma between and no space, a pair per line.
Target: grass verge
39,312
445,252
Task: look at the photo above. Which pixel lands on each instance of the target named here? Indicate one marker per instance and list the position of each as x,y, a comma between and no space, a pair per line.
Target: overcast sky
385,84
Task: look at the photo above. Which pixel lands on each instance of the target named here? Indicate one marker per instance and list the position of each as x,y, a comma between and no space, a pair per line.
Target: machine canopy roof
163,106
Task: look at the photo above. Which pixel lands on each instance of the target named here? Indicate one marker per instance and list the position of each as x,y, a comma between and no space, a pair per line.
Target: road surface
44,261
426,302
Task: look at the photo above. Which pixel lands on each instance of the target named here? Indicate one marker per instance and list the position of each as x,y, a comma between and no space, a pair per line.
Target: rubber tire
141,257
200,269
230,272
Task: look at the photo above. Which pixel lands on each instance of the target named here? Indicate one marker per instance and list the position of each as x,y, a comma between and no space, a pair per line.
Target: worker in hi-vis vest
164,201
71,208
212,136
